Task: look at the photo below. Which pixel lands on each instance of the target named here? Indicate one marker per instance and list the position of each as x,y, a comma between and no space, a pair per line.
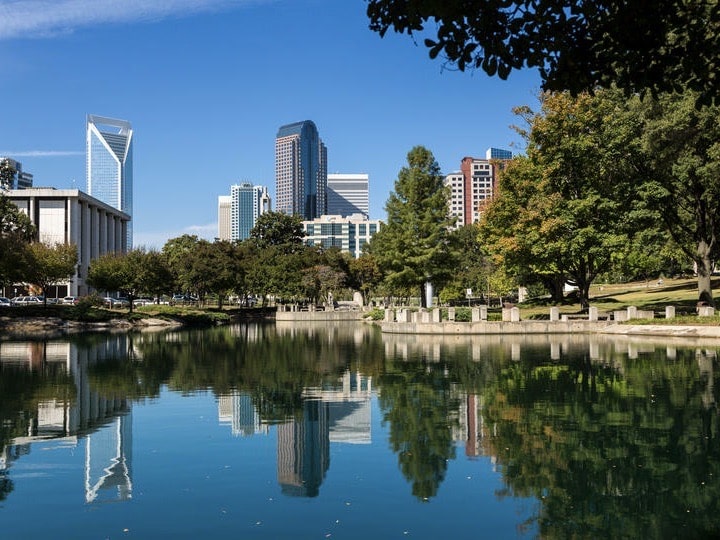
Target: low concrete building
347,233
74,217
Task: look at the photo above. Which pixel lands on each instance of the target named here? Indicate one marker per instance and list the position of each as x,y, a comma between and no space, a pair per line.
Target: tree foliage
278,229
413,247
51,264
565,210
575,45
681,144
16,232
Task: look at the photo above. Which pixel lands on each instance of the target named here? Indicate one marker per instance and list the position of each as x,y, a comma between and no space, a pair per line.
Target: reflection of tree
626,452
271,367
418,404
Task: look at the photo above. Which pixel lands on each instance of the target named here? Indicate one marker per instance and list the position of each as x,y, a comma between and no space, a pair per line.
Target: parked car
5,302
71,300
182,299
26,301
111,302
143,302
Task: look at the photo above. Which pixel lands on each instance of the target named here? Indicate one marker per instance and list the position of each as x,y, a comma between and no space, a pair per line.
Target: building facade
224,206
348,194
300,171
19,179
247,203
349,233
110,164
69,216
473,186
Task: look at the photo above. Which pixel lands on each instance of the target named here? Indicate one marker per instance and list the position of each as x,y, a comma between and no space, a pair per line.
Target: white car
5,302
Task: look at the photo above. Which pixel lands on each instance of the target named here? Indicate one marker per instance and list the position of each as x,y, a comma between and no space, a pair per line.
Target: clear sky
207,83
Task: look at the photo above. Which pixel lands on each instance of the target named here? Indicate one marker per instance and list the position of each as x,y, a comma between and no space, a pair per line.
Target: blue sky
207,83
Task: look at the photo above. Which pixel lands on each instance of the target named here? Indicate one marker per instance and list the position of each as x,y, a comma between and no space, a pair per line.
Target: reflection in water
65,409
613,436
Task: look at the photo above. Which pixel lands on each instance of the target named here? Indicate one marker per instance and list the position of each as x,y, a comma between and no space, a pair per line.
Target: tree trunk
423,297
704,273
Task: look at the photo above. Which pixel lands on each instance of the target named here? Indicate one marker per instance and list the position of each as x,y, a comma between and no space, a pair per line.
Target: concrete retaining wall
311,316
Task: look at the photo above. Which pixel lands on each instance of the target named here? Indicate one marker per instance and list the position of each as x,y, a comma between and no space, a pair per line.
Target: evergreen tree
413,247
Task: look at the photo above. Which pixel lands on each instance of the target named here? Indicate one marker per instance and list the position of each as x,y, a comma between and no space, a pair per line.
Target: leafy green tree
413,247
213,267
155,276
583,157
278,229
364,275
51,264
682,181
513,229
179,252
7,174
107,272
575,45
473,265
16,232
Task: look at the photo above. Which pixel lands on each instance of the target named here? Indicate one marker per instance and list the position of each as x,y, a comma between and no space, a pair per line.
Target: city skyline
206,91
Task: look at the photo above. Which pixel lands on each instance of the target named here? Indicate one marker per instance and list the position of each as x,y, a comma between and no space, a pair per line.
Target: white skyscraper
224,210
348,194
110,164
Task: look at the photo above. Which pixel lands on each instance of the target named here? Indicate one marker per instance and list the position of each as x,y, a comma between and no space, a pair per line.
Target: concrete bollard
631,312
706,311
435,315
515,314
483,313
669,312
389,315
554,313
424,316
592,314
402,315
451,314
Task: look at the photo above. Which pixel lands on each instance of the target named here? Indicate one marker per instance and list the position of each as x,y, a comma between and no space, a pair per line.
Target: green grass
680,293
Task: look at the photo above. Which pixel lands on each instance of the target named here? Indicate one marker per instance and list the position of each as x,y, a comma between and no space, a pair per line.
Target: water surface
286,431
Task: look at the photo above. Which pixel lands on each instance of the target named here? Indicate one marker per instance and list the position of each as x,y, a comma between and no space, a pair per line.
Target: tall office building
348,194
110,164
300,171
472,187
224,208
247,203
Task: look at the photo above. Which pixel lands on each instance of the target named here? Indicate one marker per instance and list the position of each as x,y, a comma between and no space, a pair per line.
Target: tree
108,272
7,174
51,264
575,45
413,247
179,252
278,229
584,157
16,232
682,183
364,275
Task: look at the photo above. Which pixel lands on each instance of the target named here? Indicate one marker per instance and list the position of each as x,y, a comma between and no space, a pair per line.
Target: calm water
265,431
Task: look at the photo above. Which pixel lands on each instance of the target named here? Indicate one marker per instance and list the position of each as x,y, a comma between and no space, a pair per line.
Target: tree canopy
661,46
413,248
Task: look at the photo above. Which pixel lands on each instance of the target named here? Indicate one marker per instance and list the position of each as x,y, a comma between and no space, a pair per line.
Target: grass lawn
680,293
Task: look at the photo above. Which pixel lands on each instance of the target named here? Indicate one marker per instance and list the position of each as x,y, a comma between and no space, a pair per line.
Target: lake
273,431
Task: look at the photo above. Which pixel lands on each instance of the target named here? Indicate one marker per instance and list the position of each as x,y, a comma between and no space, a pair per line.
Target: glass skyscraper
300,171
247,203
110,164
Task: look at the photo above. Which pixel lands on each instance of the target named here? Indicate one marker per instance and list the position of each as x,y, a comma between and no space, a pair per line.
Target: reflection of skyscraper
304,451
108,459
238,410
110,164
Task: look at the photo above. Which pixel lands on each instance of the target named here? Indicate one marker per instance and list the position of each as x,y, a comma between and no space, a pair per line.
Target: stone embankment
51,327
404,321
